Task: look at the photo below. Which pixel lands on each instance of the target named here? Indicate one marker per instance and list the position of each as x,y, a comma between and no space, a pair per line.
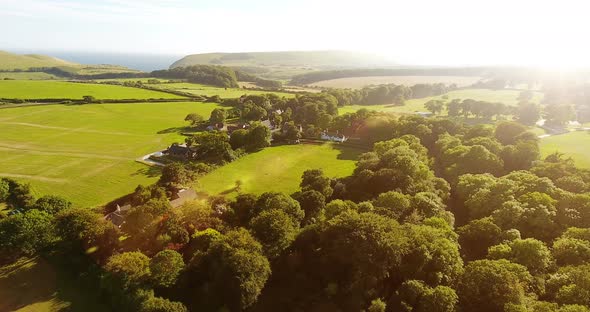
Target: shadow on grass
149,171
179,130
348,152
35,281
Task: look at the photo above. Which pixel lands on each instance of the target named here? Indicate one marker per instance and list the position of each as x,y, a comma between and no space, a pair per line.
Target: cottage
424,114
118,216
216,127
179,150
182,196
334,137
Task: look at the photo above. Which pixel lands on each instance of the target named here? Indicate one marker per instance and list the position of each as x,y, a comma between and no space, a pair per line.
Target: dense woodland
437,216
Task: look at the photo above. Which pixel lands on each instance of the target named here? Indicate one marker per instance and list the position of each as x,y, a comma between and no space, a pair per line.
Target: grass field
86,153
279,168
28,76
17,61
574,144
508,97
25,89
359,82
199,89
33,285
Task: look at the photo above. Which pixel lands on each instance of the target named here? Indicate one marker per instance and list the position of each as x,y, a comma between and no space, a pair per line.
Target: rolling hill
285,64
11,61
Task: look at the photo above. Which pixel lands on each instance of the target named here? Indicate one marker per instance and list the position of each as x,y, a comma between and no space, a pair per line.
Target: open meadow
279,168
86,153
574,144
508,97
29,89
360,82
200,89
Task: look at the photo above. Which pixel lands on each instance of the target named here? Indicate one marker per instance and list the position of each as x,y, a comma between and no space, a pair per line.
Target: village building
118,216
333,137
183,196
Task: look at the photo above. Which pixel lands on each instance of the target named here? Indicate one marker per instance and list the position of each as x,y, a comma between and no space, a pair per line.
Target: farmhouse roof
182,197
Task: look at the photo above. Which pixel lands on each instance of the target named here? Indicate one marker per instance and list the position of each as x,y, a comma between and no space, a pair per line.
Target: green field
87,153
508,97
360,82
279,168
205,90
25,89
33,285
28,76
574,144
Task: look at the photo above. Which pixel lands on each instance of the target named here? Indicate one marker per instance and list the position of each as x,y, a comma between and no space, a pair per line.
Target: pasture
29,89
574,144
226,93
360,82
33,285
508,97
86,153
279,168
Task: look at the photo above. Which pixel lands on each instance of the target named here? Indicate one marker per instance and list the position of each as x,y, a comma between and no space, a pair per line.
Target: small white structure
334,137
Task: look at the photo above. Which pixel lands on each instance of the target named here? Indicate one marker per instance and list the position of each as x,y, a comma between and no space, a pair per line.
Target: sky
425,32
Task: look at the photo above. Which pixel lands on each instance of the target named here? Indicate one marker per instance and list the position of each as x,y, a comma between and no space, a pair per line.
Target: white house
334,137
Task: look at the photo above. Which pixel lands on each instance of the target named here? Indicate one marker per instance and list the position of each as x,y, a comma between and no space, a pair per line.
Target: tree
312,202
165,268
52,204
130,269
435,106
530,252
280,201
488,285
25,233
217,116
275,230
238,138
258,137
477,236
194,119
20,196
314,179
528,113
233,268
377,305
158,304
454,107
4,190
506,132
558,115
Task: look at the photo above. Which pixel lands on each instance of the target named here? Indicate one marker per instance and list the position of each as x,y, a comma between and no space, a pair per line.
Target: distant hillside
283,65
10,61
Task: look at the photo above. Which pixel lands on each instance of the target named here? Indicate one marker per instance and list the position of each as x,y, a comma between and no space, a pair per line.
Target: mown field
574,144
199,89
279,168
87,153
360,82
508,97
28,89
33,285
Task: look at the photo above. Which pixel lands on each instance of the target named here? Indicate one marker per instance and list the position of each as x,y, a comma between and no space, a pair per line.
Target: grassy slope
574,144
199,89
417,105
279,168
11,61
33,285
359,82
28,76
86,153
23,89
286,58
